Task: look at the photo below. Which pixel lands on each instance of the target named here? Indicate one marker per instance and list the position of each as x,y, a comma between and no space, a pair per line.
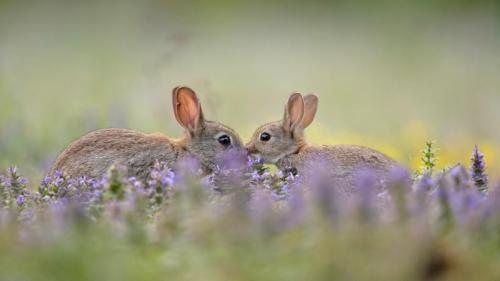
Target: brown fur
93,154
288,149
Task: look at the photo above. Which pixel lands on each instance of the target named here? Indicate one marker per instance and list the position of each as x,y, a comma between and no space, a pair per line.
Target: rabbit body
93,154
283,143
341,163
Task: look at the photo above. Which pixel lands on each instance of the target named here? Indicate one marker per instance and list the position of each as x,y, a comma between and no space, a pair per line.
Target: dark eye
265,137
225,140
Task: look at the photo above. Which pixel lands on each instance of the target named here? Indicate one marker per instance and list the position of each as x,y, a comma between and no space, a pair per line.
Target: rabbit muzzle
251,149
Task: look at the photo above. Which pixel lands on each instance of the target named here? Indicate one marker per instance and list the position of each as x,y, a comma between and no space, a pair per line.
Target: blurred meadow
390,74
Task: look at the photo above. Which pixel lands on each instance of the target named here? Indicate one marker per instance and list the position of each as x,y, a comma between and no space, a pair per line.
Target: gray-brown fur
288,149
343,163
93,154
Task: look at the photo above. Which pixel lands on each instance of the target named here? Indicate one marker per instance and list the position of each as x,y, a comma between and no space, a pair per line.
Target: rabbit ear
187,109
310,108
294,112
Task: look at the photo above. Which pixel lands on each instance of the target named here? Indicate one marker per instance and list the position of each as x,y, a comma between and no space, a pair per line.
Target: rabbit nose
251,148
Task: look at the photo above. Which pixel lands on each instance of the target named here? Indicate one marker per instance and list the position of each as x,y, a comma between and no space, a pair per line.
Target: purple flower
151,184
58,179
473,200
290,177
155,174
253,162
367,183
444,201
426,183
6,182
135,183
364,203
58,174
46,181
99,184
233,159
478,168
459,177
208,181
23,181
255,176
400,176
325,196
161,175
265,175
20,200
261,208
82,181
297,205
189,166
167,181
98,193
13,181
399,184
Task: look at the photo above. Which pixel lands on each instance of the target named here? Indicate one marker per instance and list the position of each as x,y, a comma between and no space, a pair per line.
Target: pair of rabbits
281,143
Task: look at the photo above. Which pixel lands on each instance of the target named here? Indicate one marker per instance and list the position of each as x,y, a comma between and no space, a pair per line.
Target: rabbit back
343,164
93,154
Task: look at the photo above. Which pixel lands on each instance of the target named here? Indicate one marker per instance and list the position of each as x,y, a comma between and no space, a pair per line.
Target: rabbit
93,154
283,143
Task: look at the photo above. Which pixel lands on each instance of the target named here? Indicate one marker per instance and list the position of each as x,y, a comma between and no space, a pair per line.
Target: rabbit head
276,140
205,140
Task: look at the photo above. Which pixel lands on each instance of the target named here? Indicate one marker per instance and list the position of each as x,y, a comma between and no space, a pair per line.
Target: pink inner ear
295,110
188,109
310,108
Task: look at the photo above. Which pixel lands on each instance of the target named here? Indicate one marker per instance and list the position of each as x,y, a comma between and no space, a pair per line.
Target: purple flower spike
459,177
478,168
13,170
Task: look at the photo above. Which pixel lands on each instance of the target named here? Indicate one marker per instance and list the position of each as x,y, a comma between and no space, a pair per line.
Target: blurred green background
390,74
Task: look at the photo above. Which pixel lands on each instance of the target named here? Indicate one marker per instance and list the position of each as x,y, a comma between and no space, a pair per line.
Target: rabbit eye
265,137
225,140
